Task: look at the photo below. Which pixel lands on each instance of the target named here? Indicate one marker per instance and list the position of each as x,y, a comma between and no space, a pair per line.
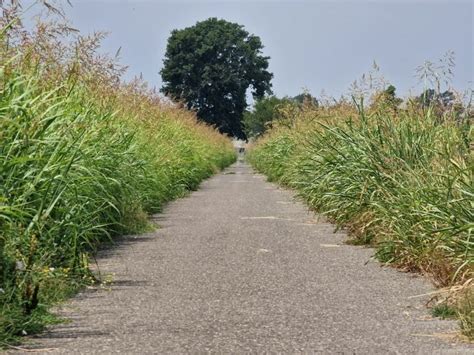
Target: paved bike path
240,266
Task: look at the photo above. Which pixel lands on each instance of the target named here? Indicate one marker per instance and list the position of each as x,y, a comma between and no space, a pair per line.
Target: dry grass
398,179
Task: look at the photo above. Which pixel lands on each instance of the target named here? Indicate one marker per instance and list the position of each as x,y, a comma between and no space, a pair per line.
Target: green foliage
430,97
210,66
83,158
443,311
306,99
271,108
72,175
386,101
465,313
391,96
265,110
403,183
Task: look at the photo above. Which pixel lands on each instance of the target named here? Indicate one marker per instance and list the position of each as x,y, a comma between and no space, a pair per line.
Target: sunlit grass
402,182
83,158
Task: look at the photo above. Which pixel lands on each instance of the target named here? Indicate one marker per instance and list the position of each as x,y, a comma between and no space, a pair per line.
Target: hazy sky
312,44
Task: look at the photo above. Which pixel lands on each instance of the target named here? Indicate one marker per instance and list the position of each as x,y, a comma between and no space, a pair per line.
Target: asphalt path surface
242,266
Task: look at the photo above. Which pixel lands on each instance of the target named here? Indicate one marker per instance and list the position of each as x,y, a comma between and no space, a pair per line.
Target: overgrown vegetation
83,157
267,109
399,178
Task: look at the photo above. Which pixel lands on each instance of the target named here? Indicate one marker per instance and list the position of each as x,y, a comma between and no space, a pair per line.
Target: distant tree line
211,66
269,109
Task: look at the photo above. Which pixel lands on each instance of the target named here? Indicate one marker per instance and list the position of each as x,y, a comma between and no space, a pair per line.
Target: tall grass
83,158
400,181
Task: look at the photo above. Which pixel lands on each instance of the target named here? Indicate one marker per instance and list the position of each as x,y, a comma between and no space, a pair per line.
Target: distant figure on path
239,145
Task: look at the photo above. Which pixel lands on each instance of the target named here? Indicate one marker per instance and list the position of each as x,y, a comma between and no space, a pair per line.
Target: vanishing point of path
240,266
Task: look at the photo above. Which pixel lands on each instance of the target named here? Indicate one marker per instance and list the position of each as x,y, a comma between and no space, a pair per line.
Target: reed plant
84,157
399,180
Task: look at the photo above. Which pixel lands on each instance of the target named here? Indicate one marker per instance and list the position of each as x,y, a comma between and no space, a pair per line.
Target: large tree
210,66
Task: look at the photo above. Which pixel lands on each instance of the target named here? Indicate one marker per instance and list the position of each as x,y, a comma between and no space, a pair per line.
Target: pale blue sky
313,44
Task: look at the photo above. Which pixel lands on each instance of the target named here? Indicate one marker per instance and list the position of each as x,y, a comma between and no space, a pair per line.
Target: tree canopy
210,66
264,111
268,109
387,99
306,98
431,97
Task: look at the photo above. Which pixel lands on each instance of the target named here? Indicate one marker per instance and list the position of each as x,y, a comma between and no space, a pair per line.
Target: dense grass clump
83,158
401,181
